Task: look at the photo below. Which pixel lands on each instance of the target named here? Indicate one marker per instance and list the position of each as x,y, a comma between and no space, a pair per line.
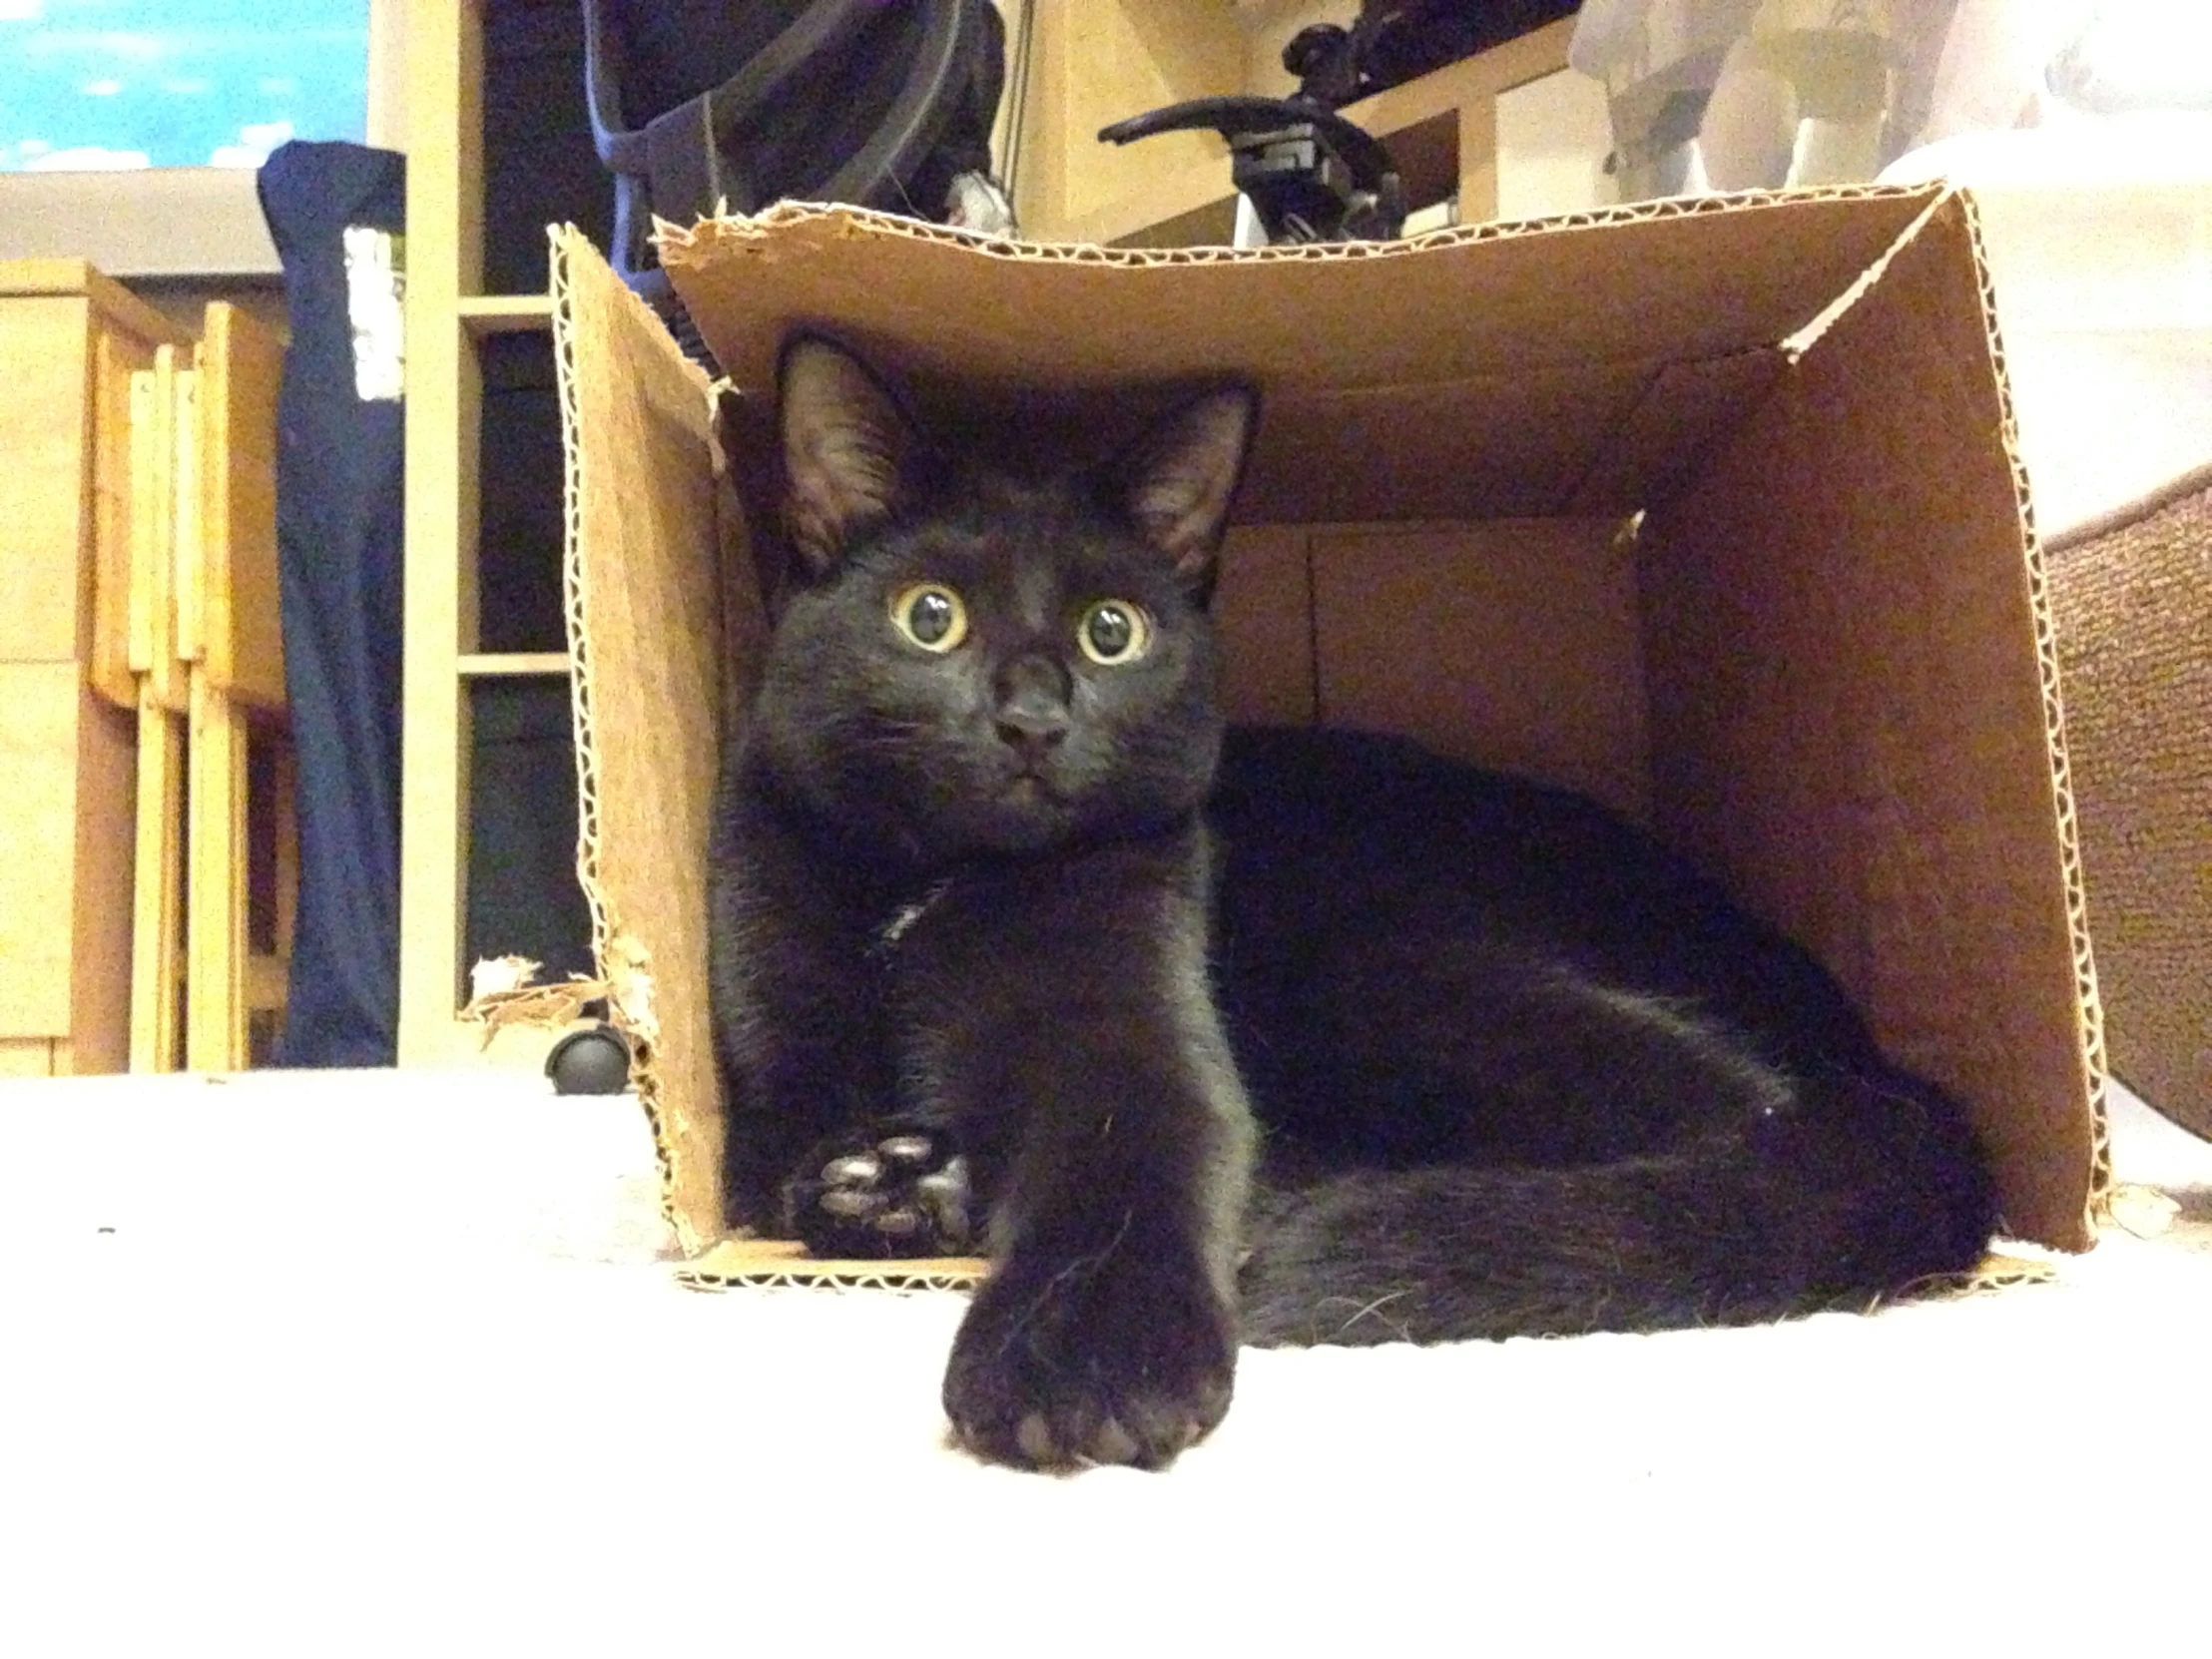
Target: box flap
648,528
1387,355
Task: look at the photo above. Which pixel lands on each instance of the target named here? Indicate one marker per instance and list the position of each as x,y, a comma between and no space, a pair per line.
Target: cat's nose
1032,712
1033,726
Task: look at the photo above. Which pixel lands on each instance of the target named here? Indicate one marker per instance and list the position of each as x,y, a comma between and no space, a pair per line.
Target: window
108,85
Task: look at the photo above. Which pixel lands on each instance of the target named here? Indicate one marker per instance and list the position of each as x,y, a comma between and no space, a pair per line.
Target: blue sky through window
176,83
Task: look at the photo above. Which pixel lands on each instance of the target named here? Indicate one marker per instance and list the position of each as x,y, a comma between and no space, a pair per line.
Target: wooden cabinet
69,342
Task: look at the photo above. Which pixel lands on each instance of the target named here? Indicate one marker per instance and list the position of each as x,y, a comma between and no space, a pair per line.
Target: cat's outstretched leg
1110,1142
893,1190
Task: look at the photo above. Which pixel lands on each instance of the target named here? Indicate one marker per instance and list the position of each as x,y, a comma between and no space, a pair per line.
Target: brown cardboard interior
1710,510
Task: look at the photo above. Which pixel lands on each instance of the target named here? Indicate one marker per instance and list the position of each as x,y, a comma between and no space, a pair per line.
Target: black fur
1003,924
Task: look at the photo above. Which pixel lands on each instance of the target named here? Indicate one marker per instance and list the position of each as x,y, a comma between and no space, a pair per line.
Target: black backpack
698,103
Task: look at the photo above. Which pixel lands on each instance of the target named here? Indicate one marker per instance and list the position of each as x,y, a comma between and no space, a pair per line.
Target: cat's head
970,661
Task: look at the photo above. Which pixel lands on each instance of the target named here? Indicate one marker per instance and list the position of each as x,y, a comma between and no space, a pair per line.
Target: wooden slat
100,861
157,926
115,355
38,760
188,567
482,664
149,498
505,314
241,365
215,897
444,261
154,507
26,1057
1478,159
45,429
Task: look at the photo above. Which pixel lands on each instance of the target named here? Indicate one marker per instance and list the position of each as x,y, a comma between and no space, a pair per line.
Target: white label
375,284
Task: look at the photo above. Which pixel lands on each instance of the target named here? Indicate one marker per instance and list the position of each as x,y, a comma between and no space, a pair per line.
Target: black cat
1011,944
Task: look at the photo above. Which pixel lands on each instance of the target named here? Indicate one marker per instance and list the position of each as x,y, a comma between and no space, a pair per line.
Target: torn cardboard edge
676,243
755,240
625,963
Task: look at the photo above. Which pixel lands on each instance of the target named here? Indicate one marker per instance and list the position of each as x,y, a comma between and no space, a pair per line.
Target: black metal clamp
1311,175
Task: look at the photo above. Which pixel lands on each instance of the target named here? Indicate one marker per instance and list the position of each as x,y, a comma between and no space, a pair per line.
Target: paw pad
901,1192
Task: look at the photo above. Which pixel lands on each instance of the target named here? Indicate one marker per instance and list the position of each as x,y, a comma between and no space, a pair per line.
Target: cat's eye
1114,632
930,615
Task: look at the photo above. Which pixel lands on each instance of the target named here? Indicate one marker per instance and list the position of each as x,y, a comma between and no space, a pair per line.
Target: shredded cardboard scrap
628,987
504,991
1995,1271
1998,1273
2143,1211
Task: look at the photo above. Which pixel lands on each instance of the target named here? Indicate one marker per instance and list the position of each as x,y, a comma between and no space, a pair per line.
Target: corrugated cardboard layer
2134,599
646,524
756,1262
1821,665
1842,645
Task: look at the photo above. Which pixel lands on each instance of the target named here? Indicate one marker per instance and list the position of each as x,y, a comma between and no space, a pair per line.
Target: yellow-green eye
1114,632
931,615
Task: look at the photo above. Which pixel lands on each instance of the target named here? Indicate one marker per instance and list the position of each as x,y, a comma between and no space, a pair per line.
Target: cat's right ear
845,448
1178,481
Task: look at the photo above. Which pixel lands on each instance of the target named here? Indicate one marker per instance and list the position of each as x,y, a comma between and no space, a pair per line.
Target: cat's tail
1858,1191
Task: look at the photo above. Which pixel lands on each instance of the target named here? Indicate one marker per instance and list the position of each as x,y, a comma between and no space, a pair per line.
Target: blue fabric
338,533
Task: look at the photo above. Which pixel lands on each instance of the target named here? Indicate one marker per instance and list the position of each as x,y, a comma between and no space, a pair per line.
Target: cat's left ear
1177,482
847,448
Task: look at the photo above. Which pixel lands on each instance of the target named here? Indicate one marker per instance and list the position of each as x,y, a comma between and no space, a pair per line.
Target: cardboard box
1708,508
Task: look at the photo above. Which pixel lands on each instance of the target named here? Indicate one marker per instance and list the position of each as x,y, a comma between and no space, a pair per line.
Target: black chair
700,104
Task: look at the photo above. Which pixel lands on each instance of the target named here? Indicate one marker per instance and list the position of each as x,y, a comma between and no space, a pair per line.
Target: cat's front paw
1059,1365
897,1190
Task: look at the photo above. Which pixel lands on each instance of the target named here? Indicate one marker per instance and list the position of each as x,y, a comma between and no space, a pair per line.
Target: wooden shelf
1191,203
487,665
505,313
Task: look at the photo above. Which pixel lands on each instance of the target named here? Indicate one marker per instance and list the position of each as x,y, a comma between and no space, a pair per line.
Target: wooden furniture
206,648
447,315
70,341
